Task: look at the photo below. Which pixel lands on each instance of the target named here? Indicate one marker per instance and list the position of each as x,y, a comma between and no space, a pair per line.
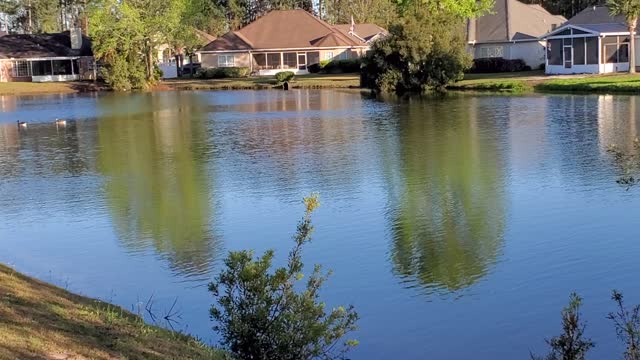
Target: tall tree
630,9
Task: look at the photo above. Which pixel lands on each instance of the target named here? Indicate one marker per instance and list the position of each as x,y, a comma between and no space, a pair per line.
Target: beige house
288,40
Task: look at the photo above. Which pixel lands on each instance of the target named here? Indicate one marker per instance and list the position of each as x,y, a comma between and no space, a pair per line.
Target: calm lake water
457,226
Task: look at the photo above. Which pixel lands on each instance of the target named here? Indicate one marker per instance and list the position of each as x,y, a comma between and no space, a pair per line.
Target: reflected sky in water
463,220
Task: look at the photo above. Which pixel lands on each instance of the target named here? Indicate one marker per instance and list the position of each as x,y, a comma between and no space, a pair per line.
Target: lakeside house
592,42
62,56
512,31
288,40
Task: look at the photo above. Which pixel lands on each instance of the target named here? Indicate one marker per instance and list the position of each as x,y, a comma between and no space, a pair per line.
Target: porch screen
61,67
273,61
290,60
260,60
42,68
592,50
555,52
578,51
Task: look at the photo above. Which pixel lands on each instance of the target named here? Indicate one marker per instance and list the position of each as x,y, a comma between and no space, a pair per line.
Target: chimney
76,38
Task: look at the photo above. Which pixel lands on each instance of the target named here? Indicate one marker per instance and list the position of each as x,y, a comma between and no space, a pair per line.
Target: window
328,55
554,54
41,68
62,67
615,49
226,61
21,68
491,52
623,53
578,51
563,33
289,60
344,55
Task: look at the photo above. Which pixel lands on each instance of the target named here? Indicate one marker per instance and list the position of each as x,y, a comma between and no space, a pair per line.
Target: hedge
336,66
221,73
284,76
496,65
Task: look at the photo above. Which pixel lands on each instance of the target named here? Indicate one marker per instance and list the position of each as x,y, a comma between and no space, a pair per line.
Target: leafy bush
425,51
260,314
314,68
284,76
497,65
222,73
123,74
571,344
342,66
324,63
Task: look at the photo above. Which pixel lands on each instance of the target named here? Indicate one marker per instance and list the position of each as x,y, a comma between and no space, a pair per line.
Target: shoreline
501,83
40,320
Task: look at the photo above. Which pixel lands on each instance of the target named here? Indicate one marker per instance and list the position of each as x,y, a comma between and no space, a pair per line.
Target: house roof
26,46
512,20
363,31
595,19
290,29
595,15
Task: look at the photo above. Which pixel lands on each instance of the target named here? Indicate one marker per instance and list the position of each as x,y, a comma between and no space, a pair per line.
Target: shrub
221,73
571,344
627,324
324,63
497,65
260,314
314,68
342,66
423,52
284,76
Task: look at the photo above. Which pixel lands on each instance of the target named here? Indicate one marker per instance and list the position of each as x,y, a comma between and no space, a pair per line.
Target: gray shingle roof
512,20
24,46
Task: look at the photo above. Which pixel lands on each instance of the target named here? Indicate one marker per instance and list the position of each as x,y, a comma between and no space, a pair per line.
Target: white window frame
21,68
223,60
328,55
491,52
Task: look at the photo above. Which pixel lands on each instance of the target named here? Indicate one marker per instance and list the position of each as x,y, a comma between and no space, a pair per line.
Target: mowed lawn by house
41,321
528,81
310,81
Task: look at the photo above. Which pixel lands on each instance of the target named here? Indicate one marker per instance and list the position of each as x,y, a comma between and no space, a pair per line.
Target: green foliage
630,9
284,76
341,66
130,31
260,314
425,51
571,344
496,65
627,325
222,73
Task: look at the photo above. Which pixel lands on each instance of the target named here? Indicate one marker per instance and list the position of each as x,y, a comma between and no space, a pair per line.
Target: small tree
260,315
627,325
571,344
630,9
424,50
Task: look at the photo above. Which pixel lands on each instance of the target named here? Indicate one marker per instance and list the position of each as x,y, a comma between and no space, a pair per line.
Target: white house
592,42
512,31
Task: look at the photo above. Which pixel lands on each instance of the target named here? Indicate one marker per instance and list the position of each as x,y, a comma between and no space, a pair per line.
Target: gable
512,20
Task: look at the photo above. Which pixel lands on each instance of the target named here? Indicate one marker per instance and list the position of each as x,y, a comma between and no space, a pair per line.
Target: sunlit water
457,226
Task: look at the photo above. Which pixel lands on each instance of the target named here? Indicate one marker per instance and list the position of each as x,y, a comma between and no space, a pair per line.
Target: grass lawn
616,83
28,88
311,81
41,321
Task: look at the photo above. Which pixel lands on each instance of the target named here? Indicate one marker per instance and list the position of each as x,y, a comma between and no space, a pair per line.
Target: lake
457,226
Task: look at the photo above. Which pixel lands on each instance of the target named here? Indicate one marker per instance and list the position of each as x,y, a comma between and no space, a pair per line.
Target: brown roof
286,29
24,46
512,20
596,15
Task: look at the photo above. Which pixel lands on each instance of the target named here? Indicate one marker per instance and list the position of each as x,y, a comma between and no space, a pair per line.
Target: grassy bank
28,88
41,321
530,81
311,81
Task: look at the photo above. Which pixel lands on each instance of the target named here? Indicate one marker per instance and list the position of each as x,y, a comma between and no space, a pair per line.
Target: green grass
28,88
311,81
41,321
617,83
503,76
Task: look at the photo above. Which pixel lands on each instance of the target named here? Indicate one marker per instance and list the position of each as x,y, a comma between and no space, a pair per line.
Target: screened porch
269,63
45,70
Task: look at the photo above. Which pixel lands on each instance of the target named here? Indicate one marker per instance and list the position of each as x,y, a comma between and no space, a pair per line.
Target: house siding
242,59
531,52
